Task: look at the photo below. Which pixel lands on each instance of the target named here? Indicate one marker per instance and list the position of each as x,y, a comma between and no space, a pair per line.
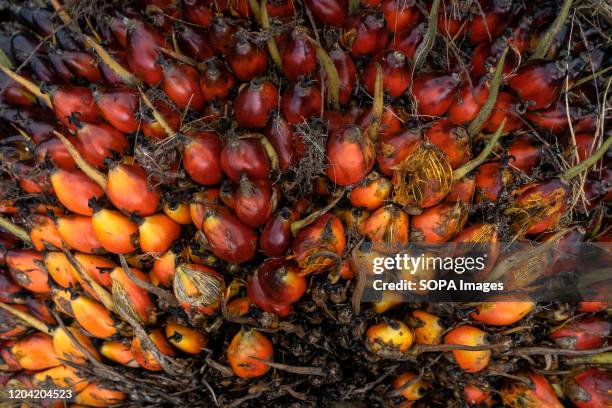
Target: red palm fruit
397,73
254,201
281,9
275,240
452,21
15,94
281,136
427,327
434,92
328,12
537,393
467,103
407,41
502,313
118,352
592,307
469,361
34,352
194,42
153,129
142,52
66,349
109,75
82,65
10,291
245,345
62,376
229,239
371,192
390,121
409,386
99,141
585,145
60,269
185,338
74,104
43,233
244,156
216,81
93,317
137,300
539,206
520,38
178,211
116,233
298,55
554,118
486,55
94,395
128,190
97,267
275,286
239,307
400,14
25,266
479,237
30,179
452,140
247,60
39,309
198,289
387,225
393,149
227,194
198,12
55,150
490,179
524,154
157,233
164,266
439,223
585,334
589,388
118,27
181,84
300,101
221,34
538,83
350,156
490,23
199,203
477,395
77,232
201,157
11,328
118,107
145,358
505,108
325,234
388,338
365,33
255,103
347,73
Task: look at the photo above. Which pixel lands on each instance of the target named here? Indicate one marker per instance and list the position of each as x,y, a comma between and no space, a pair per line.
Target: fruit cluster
185,187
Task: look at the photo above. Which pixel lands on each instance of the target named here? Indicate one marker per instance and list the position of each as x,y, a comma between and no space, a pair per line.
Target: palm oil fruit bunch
189,190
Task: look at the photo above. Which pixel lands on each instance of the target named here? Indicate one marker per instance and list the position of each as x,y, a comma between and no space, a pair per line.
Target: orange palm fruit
116,233
389,337
77,231
439,223
199,201
462,190
133,297
74,189
67,350
62,299
157,233
476,395
469,361
538,394
145,358
128,190
228,237
97,267
371,192
387,225
178,212
43,233
326,233
9,326
239,307
185,338
118,352
60,269
95,395
501,313
412,392
93,317
164,266
198,288
25,267
62,376
427,327
35,352
245,345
